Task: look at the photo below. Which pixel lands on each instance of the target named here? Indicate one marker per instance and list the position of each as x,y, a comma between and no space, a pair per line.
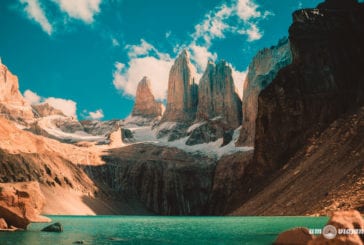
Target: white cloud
84,10
96,115
139,50
200,55
126,78
247,9
68,107
115,42
240,17
31,97
254,33
35,12
144,60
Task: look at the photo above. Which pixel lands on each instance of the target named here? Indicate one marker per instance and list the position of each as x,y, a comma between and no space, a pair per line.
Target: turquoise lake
161,230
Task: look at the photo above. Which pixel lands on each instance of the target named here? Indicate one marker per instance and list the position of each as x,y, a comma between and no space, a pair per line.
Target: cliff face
324,81
182,91
145,104
262,71
166,180
12,104
217,96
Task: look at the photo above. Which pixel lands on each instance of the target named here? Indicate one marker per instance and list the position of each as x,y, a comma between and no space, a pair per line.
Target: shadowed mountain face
262,70
324,81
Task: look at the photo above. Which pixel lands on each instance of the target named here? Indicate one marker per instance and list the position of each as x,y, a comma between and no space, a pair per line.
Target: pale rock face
217,96
182,96
9,87
262,70
12,104
21,203
145,104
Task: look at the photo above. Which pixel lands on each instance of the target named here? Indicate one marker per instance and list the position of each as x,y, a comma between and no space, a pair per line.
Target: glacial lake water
161,230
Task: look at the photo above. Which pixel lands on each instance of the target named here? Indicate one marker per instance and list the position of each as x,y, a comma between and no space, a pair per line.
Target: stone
21,203
182,95
145,104
217,96
56,227
343,220
3,224
295,236
262,70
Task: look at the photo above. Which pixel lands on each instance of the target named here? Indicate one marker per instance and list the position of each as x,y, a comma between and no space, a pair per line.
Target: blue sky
87,56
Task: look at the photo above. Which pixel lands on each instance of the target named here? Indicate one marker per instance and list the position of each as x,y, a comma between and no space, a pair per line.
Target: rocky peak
217,96
182,91
9,87
145,104
12,104
262,70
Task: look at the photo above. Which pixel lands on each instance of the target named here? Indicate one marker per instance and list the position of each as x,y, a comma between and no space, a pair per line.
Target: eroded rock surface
21,204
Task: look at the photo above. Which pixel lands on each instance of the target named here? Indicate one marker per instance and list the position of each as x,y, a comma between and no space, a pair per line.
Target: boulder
296,236
3,224
56,227
21,204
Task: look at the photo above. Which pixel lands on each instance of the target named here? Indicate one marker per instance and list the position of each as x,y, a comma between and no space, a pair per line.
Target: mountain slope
325,175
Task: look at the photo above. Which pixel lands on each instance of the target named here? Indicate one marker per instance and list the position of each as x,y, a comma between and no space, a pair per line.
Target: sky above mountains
87,56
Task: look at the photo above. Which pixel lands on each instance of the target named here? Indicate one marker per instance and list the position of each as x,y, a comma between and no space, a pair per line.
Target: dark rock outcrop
324,81
56,227
21,204
217,96
182,97
262,70
166,180
295,236
228,183
145,104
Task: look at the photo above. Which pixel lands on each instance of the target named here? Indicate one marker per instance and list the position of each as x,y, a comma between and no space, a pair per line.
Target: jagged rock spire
145,104
182,95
